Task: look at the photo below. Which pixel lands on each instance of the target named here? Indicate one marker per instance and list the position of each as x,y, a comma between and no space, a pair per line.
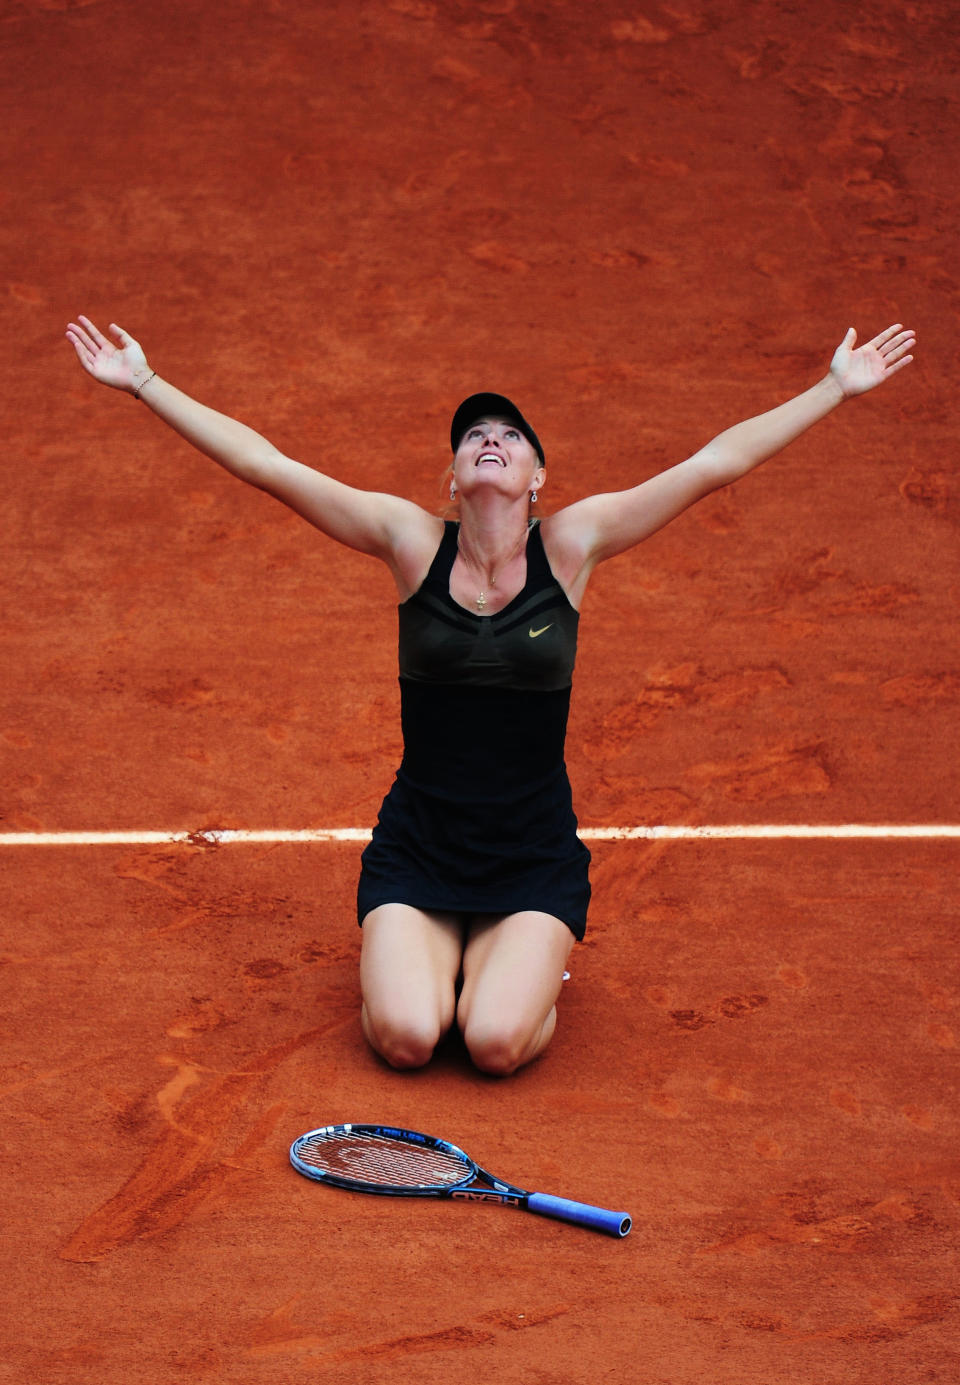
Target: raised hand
857,369
122,366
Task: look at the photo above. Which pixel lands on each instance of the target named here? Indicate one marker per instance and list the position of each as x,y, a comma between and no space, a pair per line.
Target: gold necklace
481,599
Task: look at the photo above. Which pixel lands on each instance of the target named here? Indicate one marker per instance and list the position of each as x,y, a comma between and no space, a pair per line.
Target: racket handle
580,1213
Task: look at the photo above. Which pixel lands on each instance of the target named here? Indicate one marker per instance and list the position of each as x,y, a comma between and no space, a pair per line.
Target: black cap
491,406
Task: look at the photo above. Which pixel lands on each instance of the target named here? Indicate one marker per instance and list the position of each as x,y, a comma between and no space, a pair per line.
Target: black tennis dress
479,818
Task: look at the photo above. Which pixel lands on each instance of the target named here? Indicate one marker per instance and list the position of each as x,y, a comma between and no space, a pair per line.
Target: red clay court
334,221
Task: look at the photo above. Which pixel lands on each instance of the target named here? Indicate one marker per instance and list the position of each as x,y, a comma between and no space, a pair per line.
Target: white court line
228,836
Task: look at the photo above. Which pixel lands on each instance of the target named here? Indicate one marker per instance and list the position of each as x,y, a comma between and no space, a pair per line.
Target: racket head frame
467,1173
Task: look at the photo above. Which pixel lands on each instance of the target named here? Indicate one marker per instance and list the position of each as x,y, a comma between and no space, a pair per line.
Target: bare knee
500,1048
495,1054
408,967
402,1042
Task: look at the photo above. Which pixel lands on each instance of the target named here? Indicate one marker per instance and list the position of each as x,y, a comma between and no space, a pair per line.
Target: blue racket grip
580,1213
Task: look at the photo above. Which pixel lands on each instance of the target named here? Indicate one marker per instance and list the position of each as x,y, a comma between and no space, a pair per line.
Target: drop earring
453,491
533,497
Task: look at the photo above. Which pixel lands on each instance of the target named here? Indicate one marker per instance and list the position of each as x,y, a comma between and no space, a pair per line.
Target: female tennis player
475,884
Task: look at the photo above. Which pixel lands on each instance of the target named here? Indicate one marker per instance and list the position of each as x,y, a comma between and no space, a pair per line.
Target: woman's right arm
384,526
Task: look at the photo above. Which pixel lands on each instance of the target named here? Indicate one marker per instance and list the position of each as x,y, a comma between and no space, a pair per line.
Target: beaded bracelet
136,392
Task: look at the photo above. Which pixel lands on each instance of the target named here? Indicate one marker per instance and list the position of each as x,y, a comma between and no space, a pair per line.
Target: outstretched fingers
118,363
83,345
882,337
93,331
88,340
891,368
79,336
895,348
894,341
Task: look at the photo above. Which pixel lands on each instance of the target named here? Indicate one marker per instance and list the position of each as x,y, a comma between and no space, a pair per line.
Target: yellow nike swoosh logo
534,633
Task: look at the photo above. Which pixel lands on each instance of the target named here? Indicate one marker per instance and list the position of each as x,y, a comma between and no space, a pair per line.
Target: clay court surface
643,222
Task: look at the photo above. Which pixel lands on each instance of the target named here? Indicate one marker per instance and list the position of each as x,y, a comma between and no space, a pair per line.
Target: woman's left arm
592,530
853,370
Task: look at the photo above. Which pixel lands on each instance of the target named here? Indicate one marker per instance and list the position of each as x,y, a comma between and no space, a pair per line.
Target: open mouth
490,457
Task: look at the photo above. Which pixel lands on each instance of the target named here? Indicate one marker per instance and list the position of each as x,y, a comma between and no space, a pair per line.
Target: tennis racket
404,1163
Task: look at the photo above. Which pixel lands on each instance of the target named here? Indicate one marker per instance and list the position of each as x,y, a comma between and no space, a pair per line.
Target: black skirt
479,818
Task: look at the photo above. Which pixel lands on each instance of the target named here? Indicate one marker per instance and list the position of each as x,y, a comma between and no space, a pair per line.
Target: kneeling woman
474,886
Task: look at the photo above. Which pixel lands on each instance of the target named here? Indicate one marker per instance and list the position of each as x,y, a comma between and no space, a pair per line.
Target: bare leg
512,974
409,964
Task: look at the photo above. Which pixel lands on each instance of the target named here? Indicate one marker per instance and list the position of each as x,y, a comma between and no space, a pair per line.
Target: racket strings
382,1161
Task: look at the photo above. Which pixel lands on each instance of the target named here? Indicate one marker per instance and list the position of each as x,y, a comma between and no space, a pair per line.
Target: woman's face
493,451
